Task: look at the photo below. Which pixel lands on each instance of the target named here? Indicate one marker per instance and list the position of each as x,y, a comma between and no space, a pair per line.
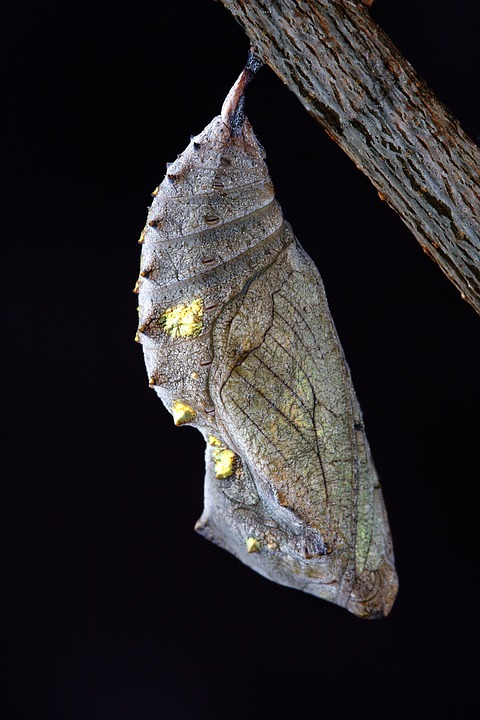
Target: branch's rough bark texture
352,79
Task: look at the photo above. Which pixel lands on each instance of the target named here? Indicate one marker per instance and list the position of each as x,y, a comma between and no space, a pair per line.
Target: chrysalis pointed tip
233,108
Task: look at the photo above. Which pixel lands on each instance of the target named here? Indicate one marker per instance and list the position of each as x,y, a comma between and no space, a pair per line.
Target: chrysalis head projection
239,342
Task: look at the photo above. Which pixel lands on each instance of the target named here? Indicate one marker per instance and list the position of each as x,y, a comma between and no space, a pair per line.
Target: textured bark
352,79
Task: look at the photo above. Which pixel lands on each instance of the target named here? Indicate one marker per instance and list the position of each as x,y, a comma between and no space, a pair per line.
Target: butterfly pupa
239,342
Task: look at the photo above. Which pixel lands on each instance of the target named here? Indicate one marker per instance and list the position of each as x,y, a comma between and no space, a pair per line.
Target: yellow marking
144,273
141,328
151,381
183,320
141,238
136,289
182,413
224,462
155,192
253,544
137,338
195,375
223,458
212,440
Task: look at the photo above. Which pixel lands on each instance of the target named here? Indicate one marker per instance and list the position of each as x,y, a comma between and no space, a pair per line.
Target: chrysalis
239,342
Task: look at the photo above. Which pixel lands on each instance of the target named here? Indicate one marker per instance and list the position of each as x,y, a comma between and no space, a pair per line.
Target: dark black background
114,608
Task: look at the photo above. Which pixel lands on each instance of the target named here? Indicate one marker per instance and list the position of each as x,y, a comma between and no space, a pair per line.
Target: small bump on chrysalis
223,462
157,379
211,219
252,544
212,440
182,413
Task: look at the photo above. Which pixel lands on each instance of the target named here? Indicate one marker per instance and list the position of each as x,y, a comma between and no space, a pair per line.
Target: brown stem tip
233,113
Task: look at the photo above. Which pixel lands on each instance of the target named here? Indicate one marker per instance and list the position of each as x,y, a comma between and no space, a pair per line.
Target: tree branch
353,80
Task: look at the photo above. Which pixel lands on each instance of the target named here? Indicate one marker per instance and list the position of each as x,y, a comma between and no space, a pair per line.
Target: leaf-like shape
239,342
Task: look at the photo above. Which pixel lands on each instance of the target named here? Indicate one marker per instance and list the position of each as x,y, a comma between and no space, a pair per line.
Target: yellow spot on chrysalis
253,544
141,238
137,337
136,289
182,413
155,192
223,458
195,375
212,440
224,462
183,320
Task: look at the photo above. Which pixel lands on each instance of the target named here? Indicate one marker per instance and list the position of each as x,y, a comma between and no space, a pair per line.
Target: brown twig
353,80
